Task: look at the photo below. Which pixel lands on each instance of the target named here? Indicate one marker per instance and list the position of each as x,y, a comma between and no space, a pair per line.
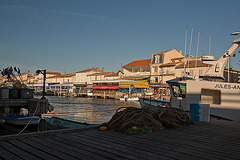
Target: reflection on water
92,111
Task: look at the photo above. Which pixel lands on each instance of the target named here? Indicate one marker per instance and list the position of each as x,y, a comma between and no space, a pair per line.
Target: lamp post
44,79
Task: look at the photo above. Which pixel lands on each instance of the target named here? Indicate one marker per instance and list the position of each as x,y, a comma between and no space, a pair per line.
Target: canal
85,110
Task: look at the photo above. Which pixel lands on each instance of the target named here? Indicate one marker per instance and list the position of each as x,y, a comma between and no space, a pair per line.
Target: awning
135,84
154,84
105,87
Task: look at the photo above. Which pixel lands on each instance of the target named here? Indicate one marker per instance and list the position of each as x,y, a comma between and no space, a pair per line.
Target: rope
30,119
143,119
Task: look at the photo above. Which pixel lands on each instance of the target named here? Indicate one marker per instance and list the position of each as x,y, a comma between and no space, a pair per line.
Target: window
210,96
178,90
157,59
156,79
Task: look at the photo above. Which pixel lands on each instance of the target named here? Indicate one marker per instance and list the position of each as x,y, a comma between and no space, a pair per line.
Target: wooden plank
116,144
76,152
179,147
47,149
109,147
216,130
44,133
194,148
217,133
5,154
148,146
220,141
201,144
33,150
17,151
81,148
96,149
211,138
200,141
53,147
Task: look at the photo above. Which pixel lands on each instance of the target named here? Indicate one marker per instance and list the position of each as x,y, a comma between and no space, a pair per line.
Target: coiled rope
143,118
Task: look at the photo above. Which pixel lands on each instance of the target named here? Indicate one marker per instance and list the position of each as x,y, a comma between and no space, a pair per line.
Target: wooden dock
218,139
31,104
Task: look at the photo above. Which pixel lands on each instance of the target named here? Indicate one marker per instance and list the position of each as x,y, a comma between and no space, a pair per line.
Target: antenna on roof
210,45
235,34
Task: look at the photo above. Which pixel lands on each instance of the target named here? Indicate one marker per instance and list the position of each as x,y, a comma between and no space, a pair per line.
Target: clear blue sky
72,35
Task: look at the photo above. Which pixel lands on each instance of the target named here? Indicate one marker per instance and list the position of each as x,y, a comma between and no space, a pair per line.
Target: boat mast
185,52
189,52
197,50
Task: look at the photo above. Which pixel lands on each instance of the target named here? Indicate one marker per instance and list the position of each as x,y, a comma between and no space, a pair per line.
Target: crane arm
217,67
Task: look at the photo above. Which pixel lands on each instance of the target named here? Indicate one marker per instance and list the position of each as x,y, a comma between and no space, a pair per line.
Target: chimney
103,69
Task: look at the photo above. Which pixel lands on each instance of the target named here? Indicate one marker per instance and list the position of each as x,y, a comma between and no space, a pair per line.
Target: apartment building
163,66
137,68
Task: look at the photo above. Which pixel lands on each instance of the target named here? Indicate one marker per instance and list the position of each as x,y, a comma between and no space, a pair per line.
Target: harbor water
89,110
84,110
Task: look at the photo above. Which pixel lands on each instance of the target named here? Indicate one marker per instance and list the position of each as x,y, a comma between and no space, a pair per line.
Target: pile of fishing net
139,120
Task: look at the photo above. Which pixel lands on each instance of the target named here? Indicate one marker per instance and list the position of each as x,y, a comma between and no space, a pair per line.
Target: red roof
142,62
56,73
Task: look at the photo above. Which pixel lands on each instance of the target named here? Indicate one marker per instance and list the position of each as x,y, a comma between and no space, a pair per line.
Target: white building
82,77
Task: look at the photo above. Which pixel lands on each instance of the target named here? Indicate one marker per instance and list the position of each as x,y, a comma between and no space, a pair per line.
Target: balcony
137,74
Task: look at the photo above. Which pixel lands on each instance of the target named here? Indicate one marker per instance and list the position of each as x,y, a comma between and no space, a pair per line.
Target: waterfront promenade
218,139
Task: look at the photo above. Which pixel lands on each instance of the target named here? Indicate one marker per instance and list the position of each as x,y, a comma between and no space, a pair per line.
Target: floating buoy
134,127
103,128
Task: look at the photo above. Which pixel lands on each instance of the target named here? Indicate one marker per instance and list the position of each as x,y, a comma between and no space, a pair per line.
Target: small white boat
22,120
129,99
153,105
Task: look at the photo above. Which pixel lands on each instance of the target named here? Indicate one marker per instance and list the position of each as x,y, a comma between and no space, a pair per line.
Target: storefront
133,86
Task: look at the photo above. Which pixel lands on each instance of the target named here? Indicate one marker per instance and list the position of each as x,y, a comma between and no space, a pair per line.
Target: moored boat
129,99
211,89
153,105
22,120
54,123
